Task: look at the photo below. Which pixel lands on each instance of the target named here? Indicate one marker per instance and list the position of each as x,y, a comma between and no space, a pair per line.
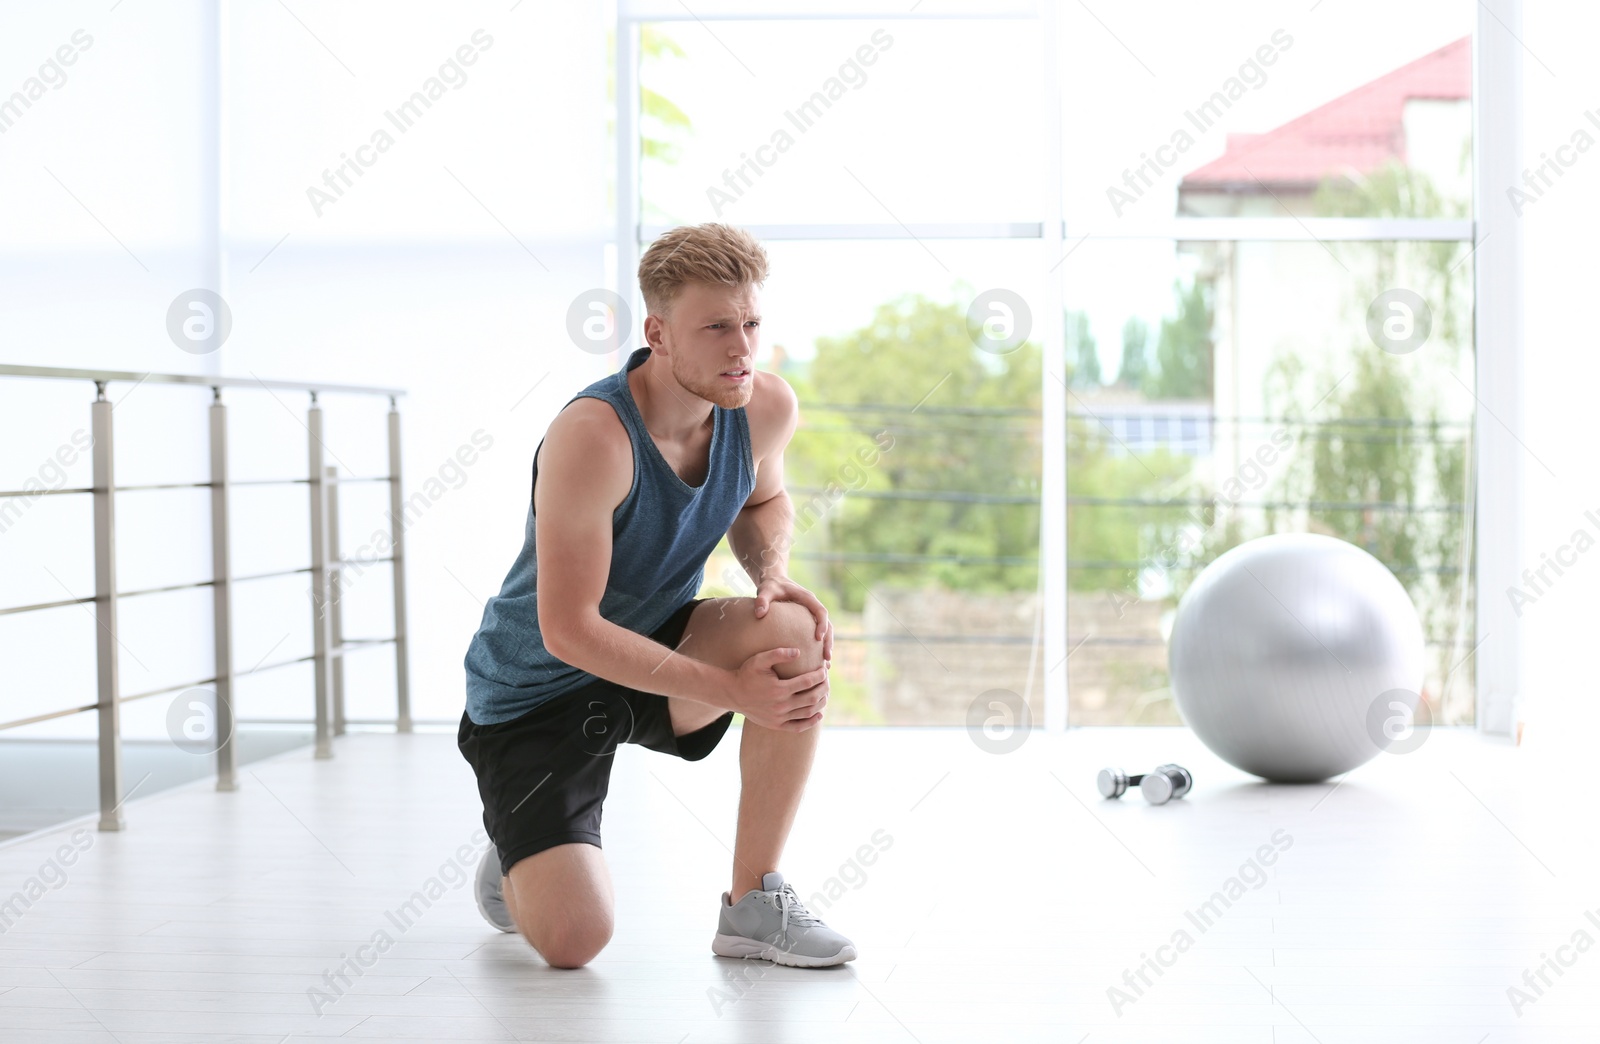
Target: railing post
402,672
319,578
105,612
222,594
335,599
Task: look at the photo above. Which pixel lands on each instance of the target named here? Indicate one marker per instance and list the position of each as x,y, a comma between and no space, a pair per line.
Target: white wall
447,269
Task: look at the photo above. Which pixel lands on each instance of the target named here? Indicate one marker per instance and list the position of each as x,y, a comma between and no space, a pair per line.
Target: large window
1151,250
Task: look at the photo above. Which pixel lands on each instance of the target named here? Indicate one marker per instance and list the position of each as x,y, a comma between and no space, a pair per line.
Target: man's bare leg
773,764
773,768
567,915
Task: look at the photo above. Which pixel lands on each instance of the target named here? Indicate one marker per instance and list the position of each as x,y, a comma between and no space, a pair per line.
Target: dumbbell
1164,783
1159,786
1114,783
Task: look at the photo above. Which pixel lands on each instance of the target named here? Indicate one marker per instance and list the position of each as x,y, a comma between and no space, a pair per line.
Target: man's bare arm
763,532
585,471
760,537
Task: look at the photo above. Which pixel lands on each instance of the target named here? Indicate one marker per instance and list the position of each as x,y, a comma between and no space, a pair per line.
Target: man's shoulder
589,434
773,411
589,421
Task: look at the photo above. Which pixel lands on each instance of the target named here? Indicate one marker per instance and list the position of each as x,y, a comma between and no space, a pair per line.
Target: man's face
713,329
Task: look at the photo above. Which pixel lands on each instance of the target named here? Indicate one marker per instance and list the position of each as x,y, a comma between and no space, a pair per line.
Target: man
596,638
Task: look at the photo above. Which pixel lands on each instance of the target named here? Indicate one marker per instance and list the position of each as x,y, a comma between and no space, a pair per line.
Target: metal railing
329,642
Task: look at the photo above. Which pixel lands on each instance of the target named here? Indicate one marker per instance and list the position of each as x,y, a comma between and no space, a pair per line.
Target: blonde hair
708,253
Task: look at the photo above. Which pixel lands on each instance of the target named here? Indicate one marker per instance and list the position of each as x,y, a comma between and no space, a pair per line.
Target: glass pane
914,474
1171,110
842,121
1301,403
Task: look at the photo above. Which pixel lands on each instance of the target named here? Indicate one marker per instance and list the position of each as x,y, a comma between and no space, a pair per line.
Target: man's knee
561,902
791,624
571,940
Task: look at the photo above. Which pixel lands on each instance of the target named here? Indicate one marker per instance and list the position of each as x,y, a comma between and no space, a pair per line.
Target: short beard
728,396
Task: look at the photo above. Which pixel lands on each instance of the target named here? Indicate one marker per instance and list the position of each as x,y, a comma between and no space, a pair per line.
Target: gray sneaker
487,890
772,924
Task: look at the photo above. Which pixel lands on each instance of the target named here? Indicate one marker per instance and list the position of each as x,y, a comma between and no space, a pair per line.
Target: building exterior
1276,298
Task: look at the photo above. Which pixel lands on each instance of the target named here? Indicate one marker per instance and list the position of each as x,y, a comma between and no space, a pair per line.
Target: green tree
1103,534
1083,356
1185,349
1135,366
977,434
1387,463
959,479
662,123
965,465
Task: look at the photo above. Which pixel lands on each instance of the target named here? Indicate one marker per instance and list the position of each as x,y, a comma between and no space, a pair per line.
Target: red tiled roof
1359,130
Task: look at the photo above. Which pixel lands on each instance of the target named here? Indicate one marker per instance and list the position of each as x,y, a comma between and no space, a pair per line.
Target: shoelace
791,908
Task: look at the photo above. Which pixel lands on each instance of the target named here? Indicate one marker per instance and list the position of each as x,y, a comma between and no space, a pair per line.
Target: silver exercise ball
1290,653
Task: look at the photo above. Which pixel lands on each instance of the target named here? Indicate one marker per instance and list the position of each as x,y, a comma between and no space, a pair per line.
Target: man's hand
787,704
782,589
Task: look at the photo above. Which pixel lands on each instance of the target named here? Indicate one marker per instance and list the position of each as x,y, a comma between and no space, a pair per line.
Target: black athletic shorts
544,775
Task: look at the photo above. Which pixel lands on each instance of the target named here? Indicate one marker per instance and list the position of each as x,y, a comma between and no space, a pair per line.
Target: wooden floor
991,897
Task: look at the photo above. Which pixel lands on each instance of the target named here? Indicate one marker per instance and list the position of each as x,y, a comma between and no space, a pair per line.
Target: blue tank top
661,536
